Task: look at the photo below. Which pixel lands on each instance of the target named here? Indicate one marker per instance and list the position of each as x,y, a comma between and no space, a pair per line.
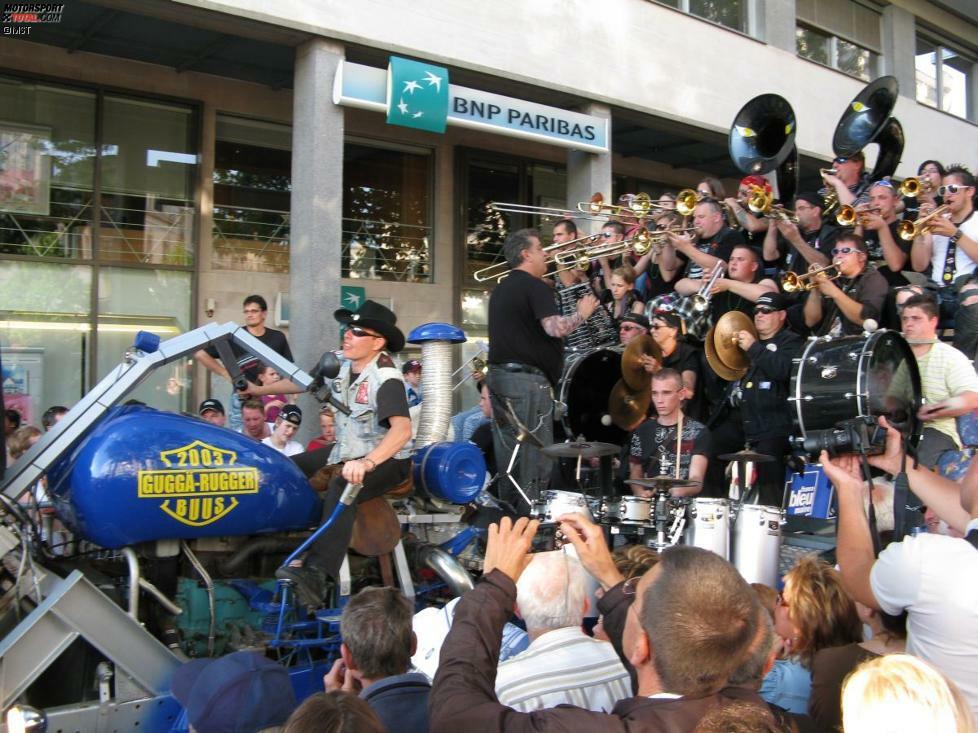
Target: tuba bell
762,139
866,120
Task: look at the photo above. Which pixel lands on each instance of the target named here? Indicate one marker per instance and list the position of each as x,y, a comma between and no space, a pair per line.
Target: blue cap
240,692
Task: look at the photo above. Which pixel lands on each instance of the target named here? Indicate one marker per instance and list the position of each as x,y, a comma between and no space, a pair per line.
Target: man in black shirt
799,246
840,306
525,362
878,223
255,313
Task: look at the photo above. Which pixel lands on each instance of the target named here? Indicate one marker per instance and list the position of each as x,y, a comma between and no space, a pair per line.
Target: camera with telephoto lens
861,434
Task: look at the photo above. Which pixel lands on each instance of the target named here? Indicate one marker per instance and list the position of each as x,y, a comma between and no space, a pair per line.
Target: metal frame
124,379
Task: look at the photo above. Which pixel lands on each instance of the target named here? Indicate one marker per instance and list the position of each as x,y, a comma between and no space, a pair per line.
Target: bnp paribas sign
419,95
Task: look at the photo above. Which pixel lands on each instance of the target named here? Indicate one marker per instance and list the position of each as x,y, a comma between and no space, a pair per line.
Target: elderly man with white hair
562,665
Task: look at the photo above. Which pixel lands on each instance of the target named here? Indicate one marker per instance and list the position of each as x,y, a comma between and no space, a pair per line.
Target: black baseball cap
291,414
411,366
209,405
775,301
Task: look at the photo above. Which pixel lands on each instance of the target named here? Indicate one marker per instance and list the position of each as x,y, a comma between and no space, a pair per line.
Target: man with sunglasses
799,246
753,410
631,326
372,442
949,251
850,181
841,306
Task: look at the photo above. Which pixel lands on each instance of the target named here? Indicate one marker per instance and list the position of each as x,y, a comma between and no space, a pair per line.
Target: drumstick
679,440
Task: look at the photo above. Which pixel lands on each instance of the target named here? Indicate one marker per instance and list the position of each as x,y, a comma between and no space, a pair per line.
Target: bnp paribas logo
417,95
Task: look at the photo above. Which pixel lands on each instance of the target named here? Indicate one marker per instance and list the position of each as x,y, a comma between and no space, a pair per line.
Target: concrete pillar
899,46
202,386
589,173
315,251
773,21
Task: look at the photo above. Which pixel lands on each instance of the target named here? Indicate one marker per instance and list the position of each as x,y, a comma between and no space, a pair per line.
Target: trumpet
700,301
831,196
640,243
849,216
761,203
792,283
913,187
910,230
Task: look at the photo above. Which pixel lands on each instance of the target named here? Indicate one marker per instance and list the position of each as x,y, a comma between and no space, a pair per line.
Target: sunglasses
765,310
627,327
362,333
950,188
840,160
843,251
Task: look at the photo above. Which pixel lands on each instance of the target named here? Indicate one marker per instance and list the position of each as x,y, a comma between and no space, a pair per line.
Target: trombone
639,205
910,230
687,199
498,270
793,283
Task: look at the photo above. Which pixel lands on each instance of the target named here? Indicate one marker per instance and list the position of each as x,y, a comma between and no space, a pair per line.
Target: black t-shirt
719,245
822,239
875,249
275,340
653,447
516,308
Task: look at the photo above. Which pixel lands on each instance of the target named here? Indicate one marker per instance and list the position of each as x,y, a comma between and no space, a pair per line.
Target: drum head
585,389
839,379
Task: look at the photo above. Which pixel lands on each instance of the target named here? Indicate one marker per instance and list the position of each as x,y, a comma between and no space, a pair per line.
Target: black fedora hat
374,316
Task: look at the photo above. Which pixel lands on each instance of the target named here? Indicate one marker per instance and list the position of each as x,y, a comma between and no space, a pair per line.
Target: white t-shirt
935,578
290,449
963,264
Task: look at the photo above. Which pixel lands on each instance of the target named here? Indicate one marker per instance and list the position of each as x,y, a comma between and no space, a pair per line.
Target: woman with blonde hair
813,612
899,692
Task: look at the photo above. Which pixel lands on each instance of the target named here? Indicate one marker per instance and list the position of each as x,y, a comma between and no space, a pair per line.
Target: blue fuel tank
143,475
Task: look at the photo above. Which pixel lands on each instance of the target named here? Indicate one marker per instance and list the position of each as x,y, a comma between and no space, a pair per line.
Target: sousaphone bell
866,120
723,354
762,138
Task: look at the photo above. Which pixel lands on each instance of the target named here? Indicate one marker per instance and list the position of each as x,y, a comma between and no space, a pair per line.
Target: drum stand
523,434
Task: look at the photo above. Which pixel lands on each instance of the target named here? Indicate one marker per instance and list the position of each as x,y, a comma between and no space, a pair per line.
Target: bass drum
585,387
841,378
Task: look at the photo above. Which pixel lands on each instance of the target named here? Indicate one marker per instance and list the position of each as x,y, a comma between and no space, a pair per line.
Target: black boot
310,584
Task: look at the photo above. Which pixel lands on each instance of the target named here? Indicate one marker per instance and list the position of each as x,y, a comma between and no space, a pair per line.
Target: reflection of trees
385,234
488,229
729,13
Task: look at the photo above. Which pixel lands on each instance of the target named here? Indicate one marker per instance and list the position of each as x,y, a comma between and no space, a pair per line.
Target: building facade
164,159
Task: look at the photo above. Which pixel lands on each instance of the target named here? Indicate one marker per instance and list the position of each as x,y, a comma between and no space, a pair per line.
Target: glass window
926,68
729,13
252,185
485,228
386,214
47,164
829,50
131,300
45,334
944,77
148,171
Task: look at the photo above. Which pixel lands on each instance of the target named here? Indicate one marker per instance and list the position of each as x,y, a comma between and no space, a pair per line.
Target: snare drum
554,503
757,543
708,525
840,378
635,509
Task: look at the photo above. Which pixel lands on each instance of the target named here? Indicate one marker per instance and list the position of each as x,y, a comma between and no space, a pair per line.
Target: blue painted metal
452,472
436,332
143,475
457,544
146,342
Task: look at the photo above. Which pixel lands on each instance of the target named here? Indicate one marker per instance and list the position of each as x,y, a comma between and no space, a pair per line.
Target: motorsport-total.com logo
18,19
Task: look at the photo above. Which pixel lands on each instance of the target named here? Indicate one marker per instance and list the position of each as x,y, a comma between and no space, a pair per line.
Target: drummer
676,354
656,443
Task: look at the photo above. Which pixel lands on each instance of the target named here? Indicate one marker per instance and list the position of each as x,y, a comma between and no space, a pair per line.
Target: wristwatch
953,239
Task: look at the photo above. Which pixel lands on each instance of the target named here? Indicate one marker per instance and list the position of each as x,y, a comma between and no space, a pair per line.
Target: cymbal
580,450
632,370
662,482
721,369
725,342
746,455
626,407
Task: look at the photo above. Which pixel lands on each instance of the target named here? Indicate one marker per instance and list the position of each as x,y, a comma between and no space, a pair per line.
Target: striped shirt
563,667
946,372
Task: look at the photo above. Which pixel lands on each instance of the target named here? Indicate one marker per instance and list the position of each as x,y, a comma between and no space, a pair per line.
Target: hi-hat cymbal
718,366
632,369
746,455
626,407
662,482
725,339
580,450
